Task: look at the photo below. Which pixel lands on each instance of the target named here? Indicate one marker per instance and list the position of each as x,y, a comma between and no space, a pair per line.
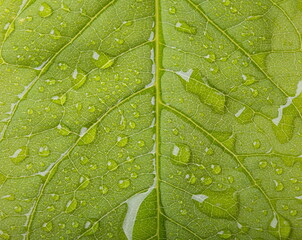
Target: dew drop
224,234
183,26
124,183
91,228
103,189
59,99
71,205
210,57
216,169
4,235
180,154
112,165
63,130
87,135
278,186
102,60
78,78
45,10
55,34
257,144
20,154
47,226
262,164
18,209
44,151
122,140
84,182
172,10
280,227
248,79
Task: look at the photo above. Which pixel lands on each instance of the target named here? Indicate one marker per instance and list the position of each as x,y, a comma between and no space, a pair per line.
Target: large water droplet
71,205
122,140
280,227
78,78
180,154
44,151
84,182
87,136
45,10
91,228
4,235
124,183
47,226
59,99
102,60
182,26
63,130
20,154
112,165
222,204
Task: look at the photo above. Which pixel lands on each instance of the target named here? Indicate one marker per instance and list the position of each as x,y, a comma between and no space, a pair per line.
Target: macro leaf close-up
151,119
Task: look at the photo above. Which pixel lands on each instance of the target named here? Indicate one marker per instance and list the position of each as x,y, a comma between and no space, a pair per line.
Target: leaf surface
140,119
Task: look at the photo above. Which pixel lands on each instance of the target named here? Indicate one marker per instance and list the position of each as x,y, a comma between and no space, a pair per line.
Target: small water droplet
47,226
84,182
91,228
63,130
257,144
87,135
59,99
55,34
44,151
71,205
122,140
4,235
263,164
216,169
18,208
78,78
210,57
248,79
172,10
45,10
180,154
20,154
206,180
124,183
102,60
183,26
103,189
278,186
112,165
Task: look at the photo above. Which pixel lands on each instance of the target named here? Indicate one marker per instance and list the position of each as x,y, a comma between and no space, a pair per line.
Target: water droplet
102,60
280,227
55,34
122,140
222,204
206,180
132,124
103,189
210,96
172,10
278,186
112,165
51,208
62,66
87,135
59,99
225,234
262,164
47,227
20,154
124,183
257,144
4,235
119,41
44,151
141,143
293,212
192,179
248,79
183,212
84,182
216,169
18,208
182,26
71,205
45,10
211,57
63,130
78,78
91,228
180,154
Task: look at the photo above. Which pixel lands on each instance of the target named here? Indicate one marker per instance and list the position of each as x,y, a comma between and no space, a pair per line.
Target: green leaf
149,119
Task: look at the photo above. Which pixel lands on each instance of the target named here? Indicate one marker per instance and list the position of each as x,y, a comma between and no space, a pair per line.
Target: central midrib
157,60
